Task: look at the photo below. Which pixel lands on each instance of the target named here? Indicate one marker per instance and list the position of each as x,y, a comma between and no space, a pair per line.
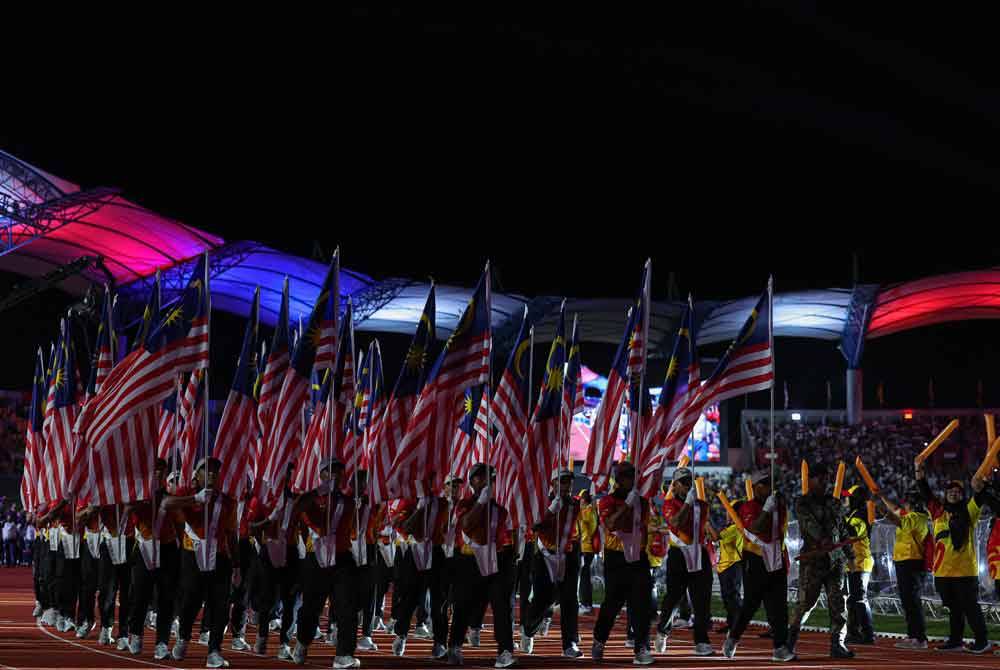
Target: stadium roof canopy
47,223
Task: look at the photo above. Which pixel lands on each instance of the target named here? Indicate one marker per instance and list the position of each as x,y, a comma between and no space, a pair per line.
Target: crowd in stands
12,430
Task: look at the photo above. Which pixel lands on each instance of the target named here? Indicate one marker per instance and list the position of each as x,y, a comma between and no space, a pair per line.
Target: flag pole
531,382
489,407
637,432
208,315
336,354
559,436
568,432
770,344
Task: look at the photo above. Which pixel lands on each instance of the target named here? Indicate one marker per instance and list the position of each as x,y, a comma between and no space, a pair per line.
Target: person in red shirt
765,561
624,517
370,520
558,543
155,566
484,564
422,568
327,520
206,571
276,565
89,520
65,575
689,568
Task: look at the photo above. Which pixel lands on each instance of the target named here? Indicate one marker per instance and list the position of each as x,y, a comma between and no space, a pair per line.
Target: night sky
567,146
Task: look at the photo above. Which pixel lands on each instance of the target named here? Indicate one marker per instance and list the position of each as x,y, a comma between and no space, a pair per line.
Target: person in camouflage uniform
822,564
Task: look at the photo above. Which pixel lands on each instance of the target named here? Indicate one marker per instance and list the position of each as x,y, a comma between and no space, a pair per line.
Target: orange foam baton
871,511
991,430
942,436
805,477
699,487
866,476
729,509
748,482
684,462
838,485
991,456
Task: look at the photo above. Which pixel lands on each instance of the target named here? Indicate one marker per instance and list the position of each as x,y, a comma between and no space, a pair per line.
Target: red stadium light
908,414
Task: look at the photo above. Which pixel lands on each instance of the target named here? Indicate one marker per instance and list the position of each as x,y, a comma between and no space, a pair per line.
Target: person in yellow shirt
730,569
956,565
590,542
860,627
912,522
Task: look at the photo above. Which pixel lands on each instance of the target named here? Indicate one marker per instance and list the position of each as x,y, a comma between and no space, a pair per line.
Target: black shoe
857,639
838,650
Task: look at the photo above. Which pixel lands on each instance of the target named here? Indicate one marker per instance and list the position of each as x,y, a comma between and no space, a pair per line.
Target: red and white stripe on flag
385,446
123,467
315,448
510,414
656,449
604,432
285,436
166,434
234,443
58,452
538,464
326,348
192,410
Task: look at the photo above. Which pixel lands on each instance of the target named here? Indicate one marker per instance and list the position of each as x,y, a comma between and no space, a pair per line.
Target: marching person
909,556
824,557
624,517
154,567
88,518
118,541
556,569
327,519
206,562
730,569
370,522
860,627
689,568
765,559
485,564
590,545
239,597
956,565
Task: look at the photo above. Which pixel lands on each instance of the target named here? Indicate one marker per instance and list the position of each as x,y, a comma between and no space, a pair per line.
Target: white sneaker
504,660
239,644
346,662
49,617
729,647
175,627
422,632
134,644
204,638
919,645
37,612
179,650
584,610
527,643
474,637
274,625
160,652
105,637
122,644
642,657
681,623
365,643
455,656
572,651
60,623
331,636
597,651
378,625
284,653
703,649
83,630
661,643
151,620
215,660
398,646
629,644
439,651
299,655
543,630
782,655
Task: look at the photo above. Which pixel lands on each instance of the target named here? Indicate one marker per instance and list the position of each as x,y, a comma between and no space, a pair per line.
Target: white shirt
8,530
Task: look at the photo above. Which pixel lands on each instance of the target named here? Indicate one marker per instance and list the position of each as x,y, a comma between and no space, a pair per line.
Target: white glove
556,505
770,503
422,503
633,498
202,496
484,496
692,497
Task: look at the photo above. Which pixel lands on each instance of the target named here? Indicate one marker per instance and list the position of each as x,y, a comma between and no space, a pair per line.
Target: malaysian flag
60,445
150,314
511,404
145,377
572,394
540,458
330,430
680,387
324,332
284,438
238,427
274,372
463,362
369,407
747,366
168,432
192,412
604,433
33,438
399,409
470,440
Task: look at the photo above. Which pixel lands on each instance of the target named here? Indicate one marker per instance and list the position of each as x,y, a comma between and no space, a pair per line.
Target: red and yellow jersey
750,511
565,525
313,518
607,506
141,518
947,561
910,536
438,526
993,551
586,521
685,531
504,535
194,516
731,546
863,560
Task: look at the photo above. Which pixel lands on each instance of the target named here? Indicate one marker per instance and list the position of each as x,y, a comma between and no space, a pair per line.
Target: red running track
25,645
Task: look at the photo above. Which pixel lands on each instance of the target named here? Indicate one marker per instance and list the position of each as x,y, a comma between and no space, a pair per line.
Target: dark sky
565,144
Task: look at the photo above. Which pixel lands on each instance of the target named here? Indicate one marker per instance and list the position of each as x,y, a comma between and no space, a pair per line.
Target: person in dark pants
154,566
956,571
365,552
908,555
730,571
624,516
484,564
765,561
590,545
65,576
556,569
329,565
239,598
116,574
860,625
203,579
90,568
689,570
524,579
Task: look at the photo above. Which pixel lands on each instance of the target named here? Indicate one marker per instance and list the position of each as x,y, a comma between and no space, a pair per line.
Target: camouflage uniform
821,520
